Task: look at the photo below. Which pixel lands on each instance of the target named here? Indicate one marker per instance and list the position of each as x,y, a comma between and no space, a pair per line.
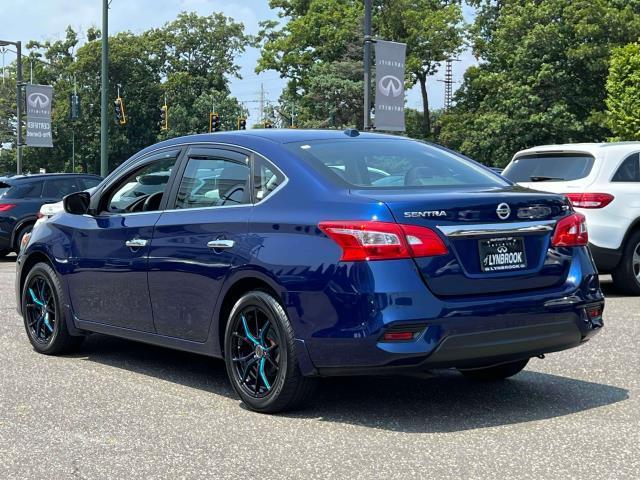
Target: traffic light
120,116
164,117
214,122
74,107
242,123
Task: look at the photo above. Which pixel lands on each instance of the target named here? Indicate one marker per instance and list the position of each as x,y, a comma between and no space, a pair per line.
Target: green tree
542,75
189,61
623,93
319,49
433,31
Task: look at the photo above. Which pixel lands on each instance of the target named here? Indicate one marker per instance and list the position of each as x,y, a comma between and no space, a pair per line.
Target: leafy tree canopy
542,75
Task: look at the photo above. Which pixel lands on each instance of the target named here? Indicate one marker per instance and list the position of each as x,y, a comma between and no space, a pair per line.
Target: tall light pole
104,112
19,85
367,64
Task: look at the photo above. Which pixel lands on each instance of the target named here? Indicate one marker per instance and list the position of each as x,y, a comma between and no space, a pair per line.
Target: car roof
268,135
43,176
591,148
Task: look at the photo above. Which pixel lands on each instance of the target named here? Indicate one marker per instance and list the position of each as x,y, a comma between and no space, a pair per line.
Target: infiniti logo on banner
38,100
390,57
390,86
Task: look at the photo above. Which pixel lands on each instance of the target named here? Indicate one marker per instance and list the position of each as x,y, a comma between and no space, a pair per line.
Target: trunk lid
477,232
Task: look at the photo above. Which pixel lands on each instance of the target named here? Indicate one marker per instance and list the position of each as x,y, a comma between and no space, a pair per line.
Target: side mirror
76,203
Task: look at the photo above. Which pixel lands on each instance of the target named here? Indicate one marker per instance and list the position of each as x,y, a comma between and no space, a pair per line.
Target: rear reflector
5,207
590,200
571,231
398,336
370,240
594,312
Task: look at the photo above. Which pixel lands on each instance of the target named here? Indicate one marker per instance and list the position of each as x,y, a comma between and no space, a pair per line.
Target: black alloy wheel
260,355
255,353
40,309
44,322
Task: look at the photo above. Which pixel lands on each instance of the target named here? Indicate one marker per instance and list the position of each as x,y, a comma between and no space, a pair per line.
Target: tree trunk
426,119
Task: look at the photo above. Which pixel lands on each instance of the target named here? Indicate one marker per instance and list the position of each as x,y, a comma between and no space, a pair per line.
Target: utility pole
448,84
367,64
19,85
104,112
262,104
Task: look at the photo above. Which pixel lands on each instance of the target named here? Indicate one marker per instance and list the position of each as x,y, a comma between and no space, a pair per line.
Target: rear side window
90,182
213,182
59,187
383,163
629,170
549,167
4,188
25,190
266,178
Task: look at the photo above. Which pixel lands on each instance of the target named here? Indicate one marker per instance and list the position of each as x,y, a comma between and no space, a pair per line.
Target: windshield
542,167
383,163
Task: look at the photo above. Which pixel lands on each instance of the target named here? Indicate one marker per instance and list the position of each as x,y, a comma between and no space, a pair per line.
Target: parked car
21,197
291,269
602,180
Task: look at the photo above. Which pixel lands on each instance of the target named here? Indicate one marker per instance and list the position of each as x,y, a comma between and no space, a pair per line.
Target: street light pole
19,85
104,113
367,64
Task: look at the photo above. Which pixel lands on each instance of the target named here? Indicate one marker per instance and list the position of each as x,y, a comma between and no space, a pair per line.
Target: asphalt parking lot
124,410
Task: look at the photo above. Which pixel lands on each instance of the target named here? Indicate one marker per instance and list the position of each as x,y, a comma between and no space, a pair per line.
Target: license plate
502,254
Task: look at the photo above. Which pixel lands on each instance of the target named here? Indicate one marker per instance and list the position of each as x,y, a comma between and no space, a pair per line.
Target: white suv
602,180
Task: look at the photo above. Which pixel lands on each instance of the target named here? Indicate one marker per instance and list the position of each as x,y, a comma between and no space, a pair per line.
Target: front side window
266,178
399,164
143,189
213,182
629,170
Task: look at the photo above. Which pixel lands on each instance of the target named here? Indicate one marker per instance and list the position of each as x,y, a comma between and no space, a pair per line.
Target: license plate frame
502,254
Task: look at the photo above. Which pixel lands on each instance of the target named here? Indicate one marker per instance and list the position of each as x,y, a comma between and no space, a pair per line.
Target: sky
47,20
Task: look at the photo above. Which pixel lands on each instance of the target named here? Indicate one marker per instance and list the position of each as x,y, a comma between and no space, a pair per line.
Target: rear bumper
343,331
437,346
606,259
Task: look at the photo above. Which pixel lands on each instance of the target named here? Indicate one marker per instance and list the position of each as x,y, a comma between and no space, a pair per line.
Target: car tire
260,355
496,372
44,320
626,276
21,233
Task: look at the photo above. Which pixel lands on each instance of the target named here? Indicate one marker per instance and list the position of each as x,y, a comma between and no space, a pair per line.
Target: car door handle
136,243
220,243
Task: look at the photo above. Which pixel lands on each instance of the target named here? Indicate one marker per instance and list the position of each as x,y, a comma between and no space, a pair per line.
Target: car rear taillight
571,231
369,240
5,207
590,200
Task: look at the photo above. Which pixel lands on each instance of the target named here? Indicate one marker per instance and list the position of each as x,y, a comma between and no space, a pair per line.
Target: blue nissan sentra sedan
299,254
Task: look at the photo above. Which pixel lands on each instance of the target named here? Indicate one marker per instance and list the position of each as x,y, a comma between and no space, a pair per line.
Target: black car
21,197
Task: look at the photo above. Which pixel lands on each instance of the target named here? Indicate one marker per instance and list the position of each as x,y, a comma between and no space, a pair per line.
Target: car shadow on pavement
445,402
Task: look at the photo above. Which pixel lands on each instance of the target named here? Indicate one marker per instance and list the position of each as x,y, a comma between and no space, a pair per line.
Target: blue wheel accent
264,377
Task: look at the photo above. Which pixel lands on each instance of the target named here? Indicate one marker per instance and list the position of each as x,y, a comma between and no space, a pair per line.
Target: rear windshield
383,163
549,167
